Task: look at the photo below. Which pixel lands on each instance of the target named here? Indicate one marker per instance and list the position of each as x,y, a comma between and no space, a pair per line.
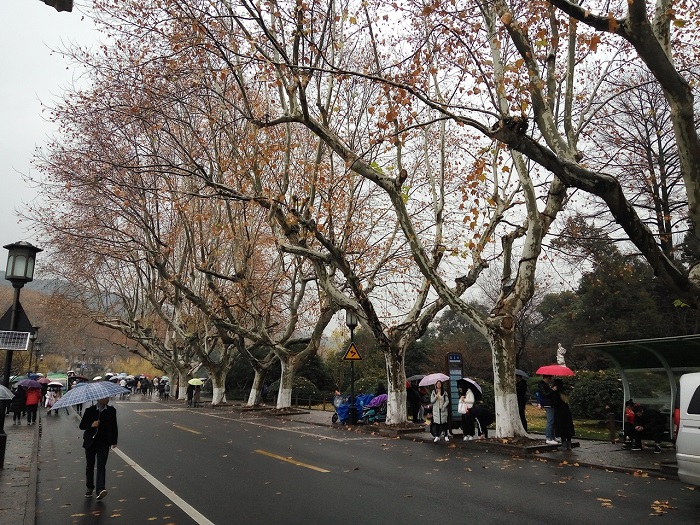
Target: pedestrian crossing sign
352,354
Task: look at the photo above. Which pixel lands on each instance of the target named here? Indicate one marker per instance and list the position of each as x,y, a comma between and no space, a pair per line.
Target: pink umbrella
44,380
555,370
431,379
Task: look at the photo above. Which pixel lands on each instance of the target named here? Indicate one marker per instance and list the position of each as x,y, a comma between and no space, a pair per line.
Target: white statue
560,355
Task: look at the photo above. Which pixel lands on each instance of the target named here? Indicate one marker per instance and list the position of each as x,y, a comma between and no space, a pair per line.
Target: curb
30,512
541,452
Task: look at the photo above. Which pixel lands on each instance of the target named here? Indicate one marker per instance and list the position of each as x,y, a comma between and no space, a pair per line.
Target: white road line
141,410
177,500
293,429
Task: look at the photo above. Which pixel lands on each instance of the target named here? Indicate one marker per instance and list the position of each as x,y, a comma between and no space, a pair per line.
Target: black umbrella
468,383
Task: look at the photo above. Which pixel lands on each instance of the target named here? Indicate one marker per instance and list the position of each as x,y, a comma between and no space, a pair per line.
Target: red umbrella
555,370
44,380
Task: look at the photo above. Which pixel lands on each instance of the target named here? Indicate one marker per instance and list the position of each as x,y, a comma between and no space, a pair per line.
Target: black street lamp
33,338
19,271
37,352
351,323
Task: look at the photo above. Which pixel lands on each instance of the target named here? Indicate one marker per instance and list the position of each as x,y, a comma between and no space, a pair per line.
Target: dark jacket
563,420
106,433
521,392
652,422
545,393
17,403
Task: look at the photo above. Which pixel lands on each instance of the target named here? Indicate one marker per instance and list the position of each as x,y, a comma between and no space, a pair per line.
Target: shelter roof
679,353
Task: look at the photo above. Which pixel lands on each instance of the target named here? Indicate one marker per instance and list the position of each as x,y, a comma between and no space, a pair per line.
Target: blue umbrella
89,393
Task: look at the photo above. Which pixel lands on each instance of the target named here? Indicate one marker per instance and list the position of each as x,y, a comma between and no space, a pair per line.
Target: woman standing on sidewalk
563,420
441,409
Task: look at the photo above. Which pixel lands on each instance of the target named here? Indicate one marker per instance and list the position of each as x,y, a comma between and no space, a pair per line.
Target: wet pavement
22,469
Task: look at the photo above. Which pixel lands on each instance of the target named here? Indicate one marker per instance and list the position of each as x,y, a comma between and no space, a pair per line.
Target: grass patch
585,428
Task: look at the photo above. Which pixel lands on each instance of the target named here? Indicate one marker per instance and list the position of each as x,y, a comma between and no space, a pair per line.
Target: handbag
462,406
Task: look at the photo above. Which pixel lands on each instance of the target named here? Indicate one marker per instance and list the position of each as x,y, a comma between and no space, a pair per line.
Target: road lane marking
141,410
294,429
292,461
188,509
187,429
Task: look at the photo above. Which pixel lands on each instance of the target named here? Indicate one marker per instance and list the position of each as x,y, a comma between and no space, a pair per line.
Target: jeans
549,428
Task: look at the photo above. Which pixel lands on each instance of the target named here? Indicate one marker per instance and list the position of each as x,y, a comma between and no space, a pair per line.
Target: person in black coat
17,405
414,403
101,433
648,423
563,420
522,394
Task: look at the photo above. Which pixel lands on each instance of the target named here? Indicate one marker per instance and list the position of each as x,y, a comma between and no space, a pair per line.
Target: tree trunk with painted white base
284,396
508,422
255,394
218,381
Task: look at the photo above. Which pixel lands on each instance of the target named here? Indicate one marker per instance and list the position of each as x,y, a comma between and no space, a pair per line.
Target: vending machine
453,363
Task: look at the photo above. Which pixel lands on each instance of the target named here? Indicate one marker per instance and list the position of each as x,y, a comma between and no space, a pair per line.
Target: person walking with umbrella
101,432
17,405
544,387
32,403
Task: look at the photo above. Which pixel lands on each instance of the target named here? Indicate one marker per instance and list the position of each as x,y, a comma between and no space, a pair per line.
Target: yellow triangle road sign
352,354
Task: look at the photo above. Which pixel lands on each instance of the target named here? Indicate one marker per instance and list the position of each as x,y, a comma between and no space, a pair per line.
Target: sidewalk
587,453
19,477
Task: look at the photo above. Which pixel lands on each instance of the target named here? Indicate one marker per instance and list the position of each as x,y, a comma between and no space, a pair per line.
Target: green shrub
591,392
302,387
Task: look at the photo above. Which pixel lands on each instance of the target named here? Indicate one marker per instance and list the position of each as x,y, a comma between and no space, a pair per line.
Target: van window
694,405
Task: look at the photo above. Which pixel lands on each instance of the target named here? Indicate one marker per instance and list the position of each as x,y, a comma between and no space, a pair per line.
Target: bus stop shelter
650,368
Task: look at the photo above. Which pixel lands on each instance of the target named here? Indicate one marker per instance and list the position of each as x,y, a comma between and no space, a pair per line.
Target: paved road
182,466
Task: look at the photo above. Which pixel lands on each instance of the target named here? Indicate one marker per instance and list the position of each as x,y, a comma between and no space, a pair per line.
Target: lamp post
82,363
351,323
37,353
19,271
32,338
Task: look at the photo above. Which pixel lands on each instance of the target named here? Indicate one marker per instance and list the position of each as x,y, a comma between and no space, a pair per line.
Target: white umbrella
89,393
431,379
471,382
5,393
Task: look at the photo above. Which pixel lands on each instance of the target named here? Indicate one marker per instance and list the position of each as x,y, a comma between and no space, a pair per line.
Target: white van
688,439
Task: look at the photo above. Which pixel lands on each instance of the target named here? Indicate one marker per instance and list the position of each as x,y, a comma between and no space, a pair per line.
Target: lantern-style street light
351,323
32,340
19,271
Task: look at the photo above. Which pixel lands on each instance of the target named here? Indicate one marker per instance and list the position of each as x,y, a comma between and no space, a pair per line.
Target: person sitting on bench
648,424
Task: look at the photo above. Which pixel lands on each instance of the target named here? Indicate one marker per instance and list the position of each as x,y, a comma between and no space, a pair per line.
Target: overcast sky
31,75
